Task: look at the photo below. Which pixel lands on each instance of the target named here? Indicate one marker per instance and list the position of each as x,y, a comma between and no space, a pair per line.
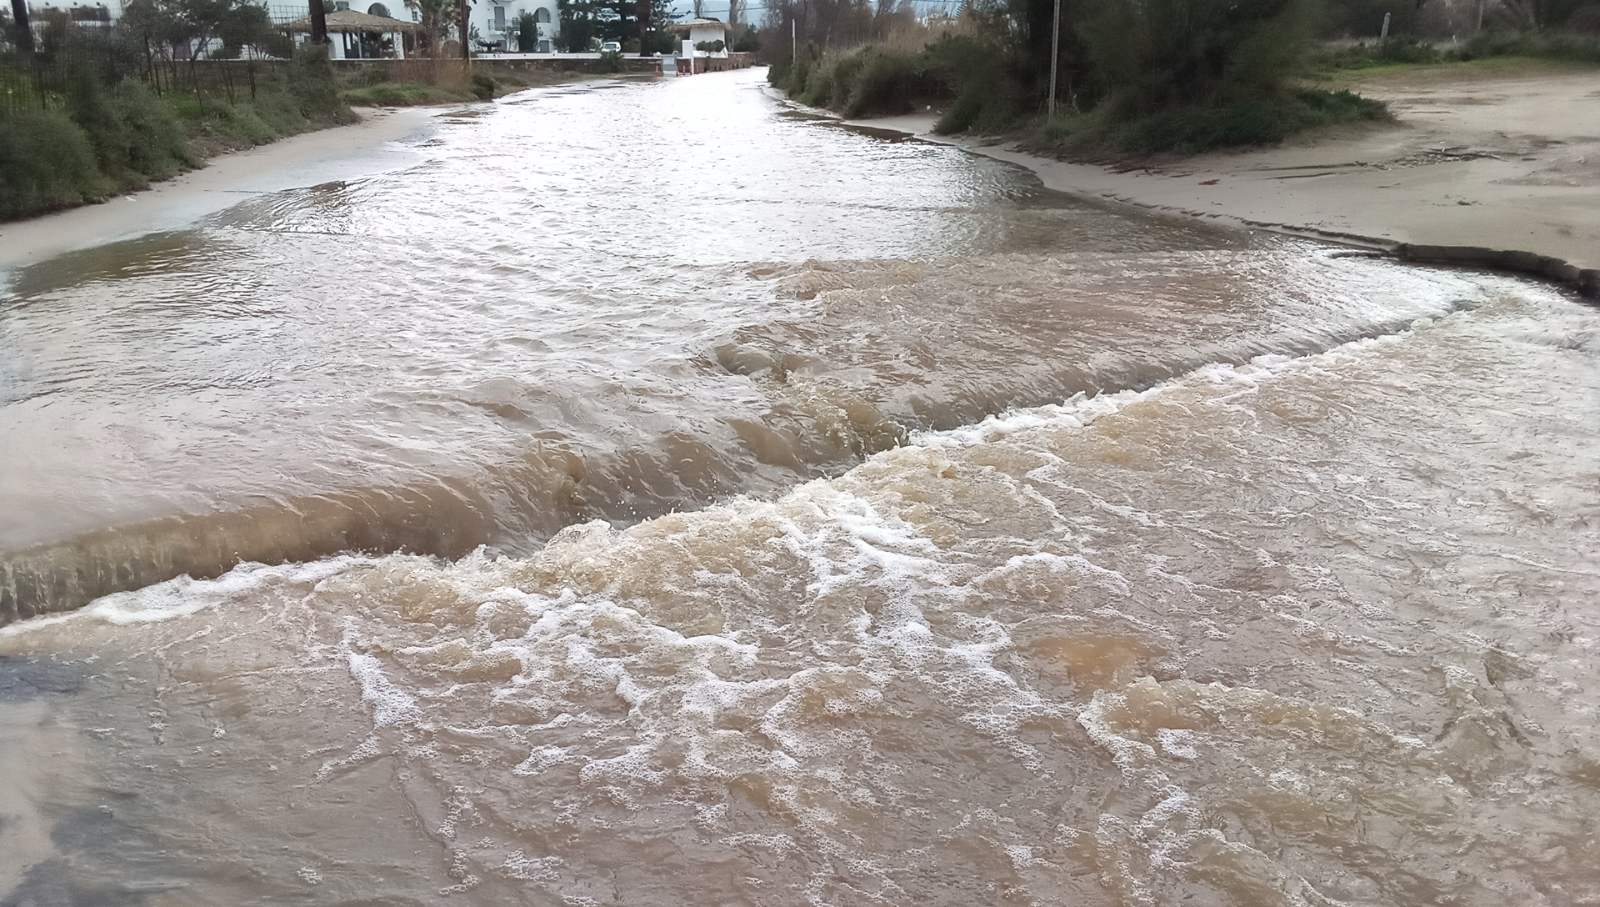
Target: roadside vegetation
1403,51
89,112
95,139
1145,77
410,83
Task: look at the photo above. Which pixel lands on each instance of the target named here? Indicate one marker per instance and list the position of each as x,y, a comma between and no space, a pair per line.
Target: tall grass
1156,75
896,77
1264,119
1568,46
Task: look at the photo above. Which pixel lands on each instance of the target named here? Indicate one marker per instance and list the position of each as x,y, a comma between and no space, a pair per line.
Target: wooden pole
466,32
319,23
1055,58
19,19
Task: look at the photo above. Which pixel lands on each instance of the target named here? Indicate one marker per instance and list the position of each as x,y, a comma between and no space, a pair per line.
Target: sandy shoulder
376,144
1505,164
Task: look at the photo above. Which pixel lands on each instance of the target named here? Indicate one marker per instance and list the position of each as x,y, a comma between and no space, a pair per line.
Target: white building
84,12
352,35
708,32
495,22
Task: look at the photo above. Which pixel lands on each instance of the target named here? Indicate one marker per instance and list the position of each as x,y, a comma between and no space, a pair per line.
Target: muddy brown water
660,497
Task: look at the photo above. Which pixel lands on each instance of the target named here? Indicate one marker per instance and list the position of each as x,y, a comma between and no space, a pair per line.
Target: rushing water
659,497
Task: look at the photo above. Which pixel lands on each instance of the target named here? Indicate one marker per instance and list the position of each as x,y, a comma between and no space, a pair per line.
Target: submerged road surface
657,496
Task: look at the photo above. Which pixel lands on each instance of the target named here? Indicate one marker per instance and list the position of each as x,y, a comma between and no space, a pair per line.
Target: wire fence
85,43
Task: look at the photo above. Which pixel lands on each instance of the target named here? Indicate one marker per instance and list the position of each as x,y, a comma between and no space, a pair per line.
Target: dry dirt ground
1504,161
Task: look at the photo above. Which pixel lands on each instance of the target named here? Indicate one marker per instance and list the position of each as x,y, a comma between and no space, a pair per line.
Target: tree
619,19
1364,18
578,24
655,37
1532,15
745,40
246,24
1159,54
194,24
527,32
434,16
24,31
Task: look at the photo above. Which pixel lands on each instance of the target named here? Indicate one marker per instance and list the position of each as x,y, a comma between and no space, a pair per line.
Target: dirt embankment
1501,171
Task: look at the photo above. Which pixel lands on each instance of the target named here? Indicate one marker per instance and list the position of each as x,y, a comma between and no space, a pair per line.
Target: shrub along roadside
442,82
1175,76
97,140
883,81
1263,120
46,162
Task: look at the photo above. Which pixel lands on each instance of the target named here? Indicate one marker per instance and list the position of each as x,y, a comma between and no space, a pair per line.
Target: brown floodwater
657,496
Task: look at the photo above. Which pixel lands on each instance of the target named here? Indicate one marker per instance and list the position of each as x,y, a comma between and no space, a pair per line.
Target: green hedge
46,162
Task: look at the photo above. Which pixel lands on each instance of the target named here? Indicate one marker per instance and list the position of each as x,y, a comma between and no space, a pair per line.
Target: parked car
610,47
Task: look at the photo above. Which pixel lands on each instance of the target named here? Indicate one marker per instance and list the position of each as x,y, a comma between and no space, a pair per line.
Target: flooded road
659,497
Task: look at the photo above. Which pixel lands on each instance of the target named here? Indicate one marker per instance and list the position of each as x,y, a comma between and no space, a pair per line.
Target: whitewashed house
84,13
352,35
495,22
696,32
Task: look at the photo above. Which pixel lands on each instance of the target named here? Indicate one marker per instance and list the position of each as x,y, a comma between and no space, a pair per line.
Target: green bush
746,41
796,75
611,61
278,111
846,70
311,83
46,162
1163,54
886,84
157,146
397,94
1260,120
1552,45
818,89
135,137
1406,50
482,86
870,81
988,95
527,32
984,108
94,113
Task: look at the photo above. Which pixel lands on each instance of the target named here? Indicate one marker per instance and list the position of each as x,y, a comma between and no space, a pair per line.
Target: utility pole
466,32
1055,58
319,22
19,18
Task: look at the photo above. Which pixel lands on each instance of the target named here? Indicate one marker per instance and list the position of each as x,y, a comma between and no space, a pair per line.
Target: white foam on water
185,596
390,705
